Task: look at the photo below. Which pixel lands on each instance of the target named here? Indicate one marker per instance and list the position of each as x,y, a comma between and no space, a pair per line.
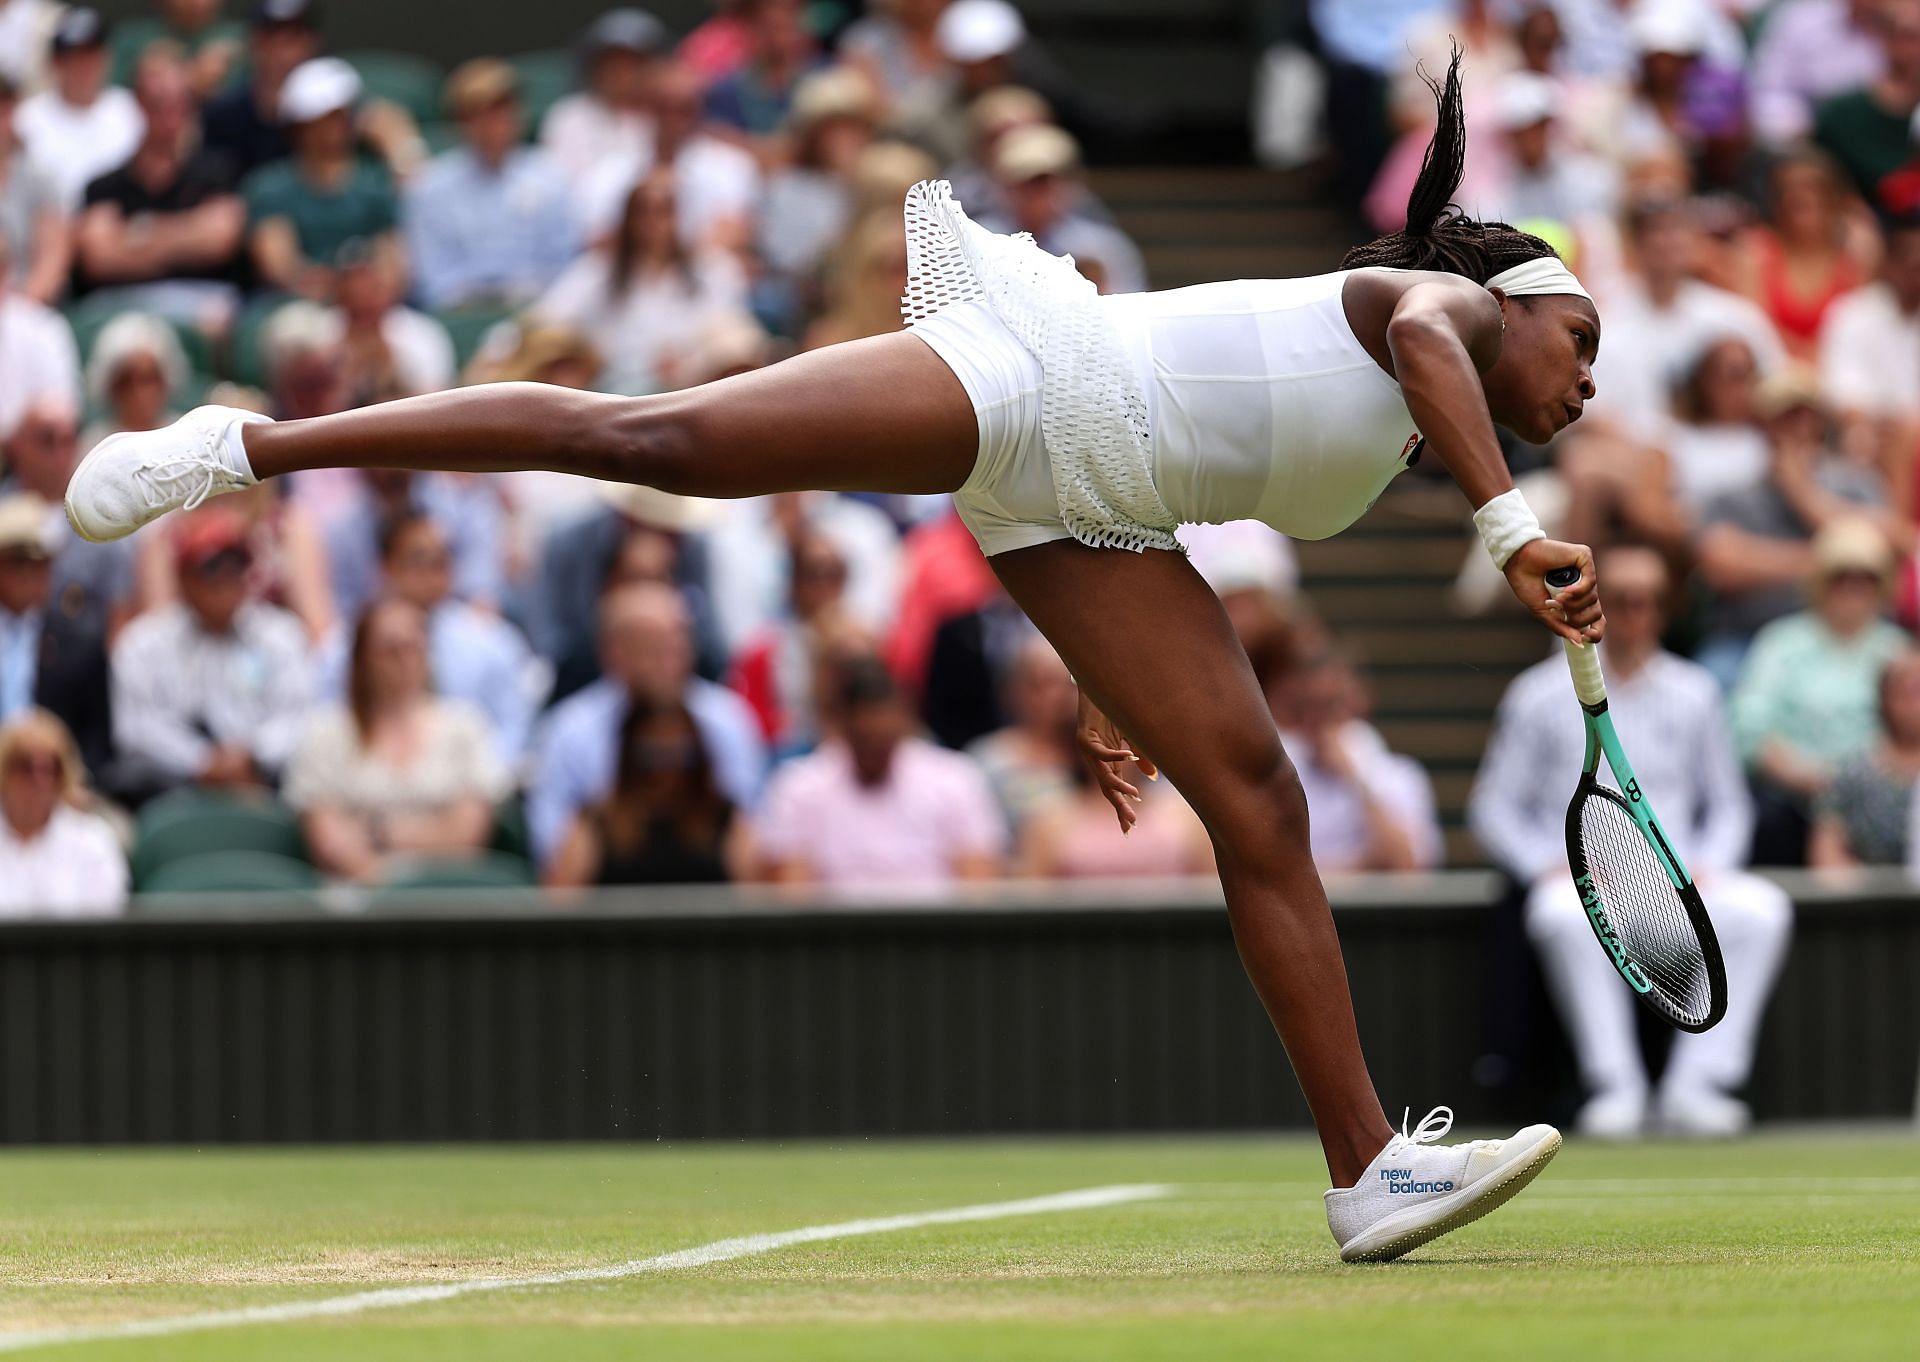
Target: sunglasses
42,765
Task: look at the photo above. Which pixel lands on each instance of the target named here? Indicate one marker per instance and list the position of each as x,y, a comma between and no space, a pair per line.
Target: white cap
1525,98
1674,26
979,30
317,88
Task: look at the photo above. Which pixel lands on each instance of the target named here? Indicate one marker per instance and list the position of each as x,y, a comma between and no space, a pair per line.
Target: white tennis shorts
1008,501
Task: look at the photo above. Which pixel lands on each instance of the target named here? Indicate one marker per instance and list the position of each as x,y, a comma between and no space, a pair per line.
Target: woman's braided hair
1438,236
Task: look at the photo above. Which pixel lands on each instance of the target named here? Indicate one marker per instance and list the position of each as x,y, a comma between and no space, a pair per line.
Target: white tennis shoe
138,476
1417,1189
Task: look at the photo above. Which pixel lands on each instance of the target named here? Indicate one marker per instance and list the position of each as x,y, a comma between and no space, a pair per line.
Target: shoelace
203,470
1433,1126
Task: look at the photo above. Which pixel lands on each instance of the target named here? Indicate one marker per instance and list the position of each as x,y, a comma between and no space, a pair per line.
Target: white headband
1543,275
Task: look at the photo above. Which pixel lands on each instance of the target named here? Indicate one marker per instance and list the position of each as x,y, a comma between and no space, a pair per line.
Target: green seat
545,77
440,137
233,872
511,835
246,360
190,823
486,870
468,326
410,81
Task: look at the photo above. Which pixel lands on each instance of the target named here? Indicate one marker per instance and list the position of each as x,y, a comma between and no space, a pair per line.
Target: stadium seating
410,81
228,872
189,824
545,76
490,870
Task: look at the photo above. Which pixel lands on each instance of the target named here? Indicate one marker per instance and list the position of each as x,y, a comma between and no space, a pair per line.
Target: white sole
1407,1230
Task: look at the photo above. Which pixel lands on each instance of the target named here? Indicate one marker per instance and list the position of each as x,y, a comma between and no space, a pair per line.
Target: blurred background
382,806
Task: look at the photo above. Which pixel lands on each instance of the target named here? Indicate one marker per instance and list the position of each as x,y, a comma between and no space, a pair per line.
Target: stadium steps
1384,587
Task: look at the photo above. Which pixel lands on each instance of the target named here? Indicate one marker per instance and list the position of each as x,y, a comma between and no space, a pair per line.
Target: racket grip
1582,660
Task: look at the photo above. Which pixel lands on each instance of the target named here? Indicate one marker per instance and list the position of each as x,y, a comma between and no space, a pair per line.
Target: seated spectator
1545,178
990,119
809,199
303,210
389,350
620,55
1372,808
94,583
213,690
646,645
1806,702
1866,128
718,184
134,376
866,278
1038,171
1670,713
48,658
1034,760
750,557
1863,817
26,31
1755,546
475,656
79,127
1807,52
465,508
753,100
644,298
1662,318
1870,352
942,574
1717,446
897,46
34,230
38,358
775,668
397,771
664,822
1807,252
719,44
245,121
56,859
491,221
213,46
875,807
987,43
632,533
972,654
165,229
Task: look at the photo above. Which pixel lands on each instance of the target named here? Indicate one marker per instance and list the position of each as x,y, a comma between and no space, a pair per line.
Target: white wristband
1506,523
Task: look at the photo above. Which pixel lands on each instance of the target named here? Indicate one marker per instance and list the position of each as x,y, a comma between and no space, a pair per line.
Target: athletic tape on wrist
1506,523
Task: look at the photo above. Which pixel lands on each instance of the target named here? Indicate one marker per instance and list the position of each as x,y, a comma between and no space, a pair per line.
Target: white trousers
1753,918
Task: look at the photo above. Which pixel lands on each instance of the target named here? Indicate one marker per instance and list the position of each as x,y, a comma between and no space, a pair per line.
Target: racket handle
1583,660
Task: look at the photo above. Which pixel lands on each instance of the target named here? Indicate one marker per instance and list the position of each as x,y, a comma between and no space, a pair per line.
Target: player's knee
1261,822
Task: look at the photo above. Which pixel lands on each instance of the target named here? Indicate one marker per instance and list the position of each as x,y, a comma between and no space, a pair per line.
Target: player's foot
138,476
1416,1189
1613,1114
1703,1114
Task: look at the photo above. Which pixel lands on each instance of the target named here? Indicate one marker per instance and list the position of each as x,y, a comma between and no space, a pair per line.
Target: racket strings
1644,908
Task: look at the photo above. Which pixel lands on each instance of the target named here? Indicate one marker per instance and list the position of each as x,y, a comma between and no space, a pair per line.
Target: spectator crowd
622,686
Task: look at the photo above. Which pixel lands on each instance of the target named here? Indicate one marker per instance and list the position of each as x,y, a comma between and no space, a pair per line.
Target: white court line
719,1251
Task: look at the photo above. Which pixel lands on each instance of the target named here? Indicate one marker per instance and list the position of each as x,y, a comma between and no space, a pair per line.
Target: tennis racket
1640,901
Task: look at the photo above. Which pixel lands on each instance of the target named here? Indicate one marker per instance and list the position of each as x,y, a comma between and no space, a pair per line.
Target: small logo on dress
1411,450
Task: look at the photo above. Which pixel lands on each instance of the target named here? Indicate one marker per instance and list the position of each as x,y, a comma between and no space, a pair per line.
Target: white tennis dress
1114,420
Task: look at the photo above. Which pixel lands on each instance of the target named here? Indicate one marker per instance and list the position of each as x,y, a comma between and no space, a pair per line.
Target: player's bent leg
1152,645
881,415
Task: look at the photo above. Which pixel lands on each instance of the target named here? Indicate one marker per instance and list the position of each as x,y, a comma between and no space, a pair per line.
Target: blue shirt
578,751
19,660
478,233
466,512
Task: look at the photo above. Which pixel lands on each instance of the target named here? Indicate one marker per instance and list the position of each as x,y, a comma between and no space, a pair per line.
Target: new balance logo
1400,1183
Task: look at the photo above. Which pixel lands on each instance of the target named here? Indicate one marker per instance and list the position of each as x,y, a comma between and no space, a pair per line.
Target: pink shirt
934,806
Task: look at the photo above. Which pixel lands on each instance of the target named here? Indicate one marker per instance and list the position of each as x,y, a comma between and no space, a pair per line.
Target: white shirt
1647,349
584,134
1337,823
1672,722
458,760
37,359
643,333
423,356
179,692
1710,462
73,868
713,181
76,145
1870,354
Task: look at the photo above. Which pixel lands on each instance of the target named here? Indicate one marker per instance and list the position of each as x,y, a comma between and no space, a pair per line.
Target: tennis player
1075,433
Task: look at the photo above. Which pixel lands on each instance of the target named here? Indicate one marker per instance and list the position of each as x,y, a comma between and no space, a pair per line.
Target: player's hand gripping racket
1640,901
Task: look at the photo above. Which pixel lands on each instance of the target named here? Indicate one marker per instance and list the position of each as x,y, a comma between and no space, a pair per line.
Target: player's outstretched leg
878,415
1152,646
